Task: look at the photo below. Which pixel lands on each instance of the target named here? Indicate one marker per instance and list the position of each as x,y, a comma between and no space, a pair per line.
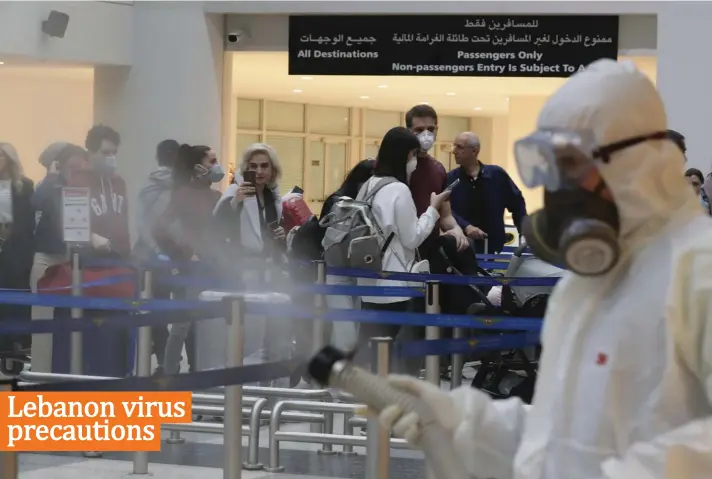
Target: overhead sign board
76,215
448,45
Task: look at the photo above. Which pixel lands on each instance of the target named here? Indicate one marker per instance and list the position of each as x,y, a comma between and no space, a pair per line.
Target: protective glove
408,425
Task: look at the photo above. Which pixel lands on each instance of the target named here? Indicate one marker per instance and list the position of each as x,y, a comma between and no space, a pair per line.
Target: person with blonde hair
251,210
253,199
17,224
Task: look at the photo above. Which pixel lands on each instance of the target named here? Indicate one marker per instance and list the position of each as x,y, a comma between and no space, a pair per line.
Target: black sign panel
504,46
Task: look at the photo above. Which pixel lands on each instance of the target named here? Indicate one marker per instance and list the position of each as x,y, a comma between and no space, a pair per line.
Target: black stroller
510,373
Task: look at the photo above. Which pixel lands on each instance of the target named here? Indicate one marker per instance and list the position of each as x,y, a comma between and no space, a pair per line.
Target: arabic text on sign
337,40
500,40
495,25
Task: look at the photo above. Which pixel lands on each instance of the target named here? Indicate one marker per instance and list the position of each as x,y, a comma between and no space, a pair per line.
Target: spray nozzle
322,363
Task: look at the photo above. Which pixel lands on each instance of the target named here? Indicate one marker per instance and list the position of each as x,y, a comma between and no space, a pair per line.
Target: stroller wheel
11,367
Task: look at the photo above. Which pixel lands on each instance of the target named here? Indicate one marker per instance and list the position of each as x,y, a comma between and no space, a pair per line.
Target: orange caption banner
89,421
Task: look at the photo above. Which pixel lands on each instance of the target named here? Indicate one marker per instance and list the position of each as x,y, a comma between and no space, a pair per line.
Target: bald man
484,192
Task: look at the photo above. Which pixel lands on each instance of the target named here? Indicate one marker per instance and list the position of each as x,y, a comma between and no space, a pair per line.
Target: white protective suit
625,380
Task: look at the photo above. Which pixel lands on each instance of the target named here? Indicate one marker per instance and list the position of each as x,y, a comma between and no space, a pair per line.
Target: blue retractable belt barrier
408,319
441,347
162,317
444,278
179,382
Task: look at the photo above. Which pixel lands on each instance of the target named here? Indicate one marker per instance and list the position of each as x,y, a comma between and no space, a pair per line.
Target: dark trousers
367,331
105,351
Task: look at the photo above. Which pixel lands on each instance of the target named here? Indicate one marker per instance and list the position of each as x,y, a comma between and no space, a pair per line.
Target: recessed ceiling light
296,91
477,108
450,94
306,78
2,63
382,86
424,103
364,97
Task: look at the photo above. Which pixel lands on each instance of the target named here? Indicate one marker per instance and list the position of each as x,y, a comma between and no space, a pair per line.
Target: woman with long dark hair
394,210
188,232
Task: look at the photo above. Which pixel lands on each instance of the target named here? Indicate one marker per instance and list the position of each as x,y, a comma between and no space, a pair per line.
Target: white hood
616,101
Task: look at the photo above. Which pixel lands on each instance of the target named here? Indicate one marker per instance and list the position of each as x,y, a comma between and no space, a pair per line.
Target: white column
174,88
685,74
523,114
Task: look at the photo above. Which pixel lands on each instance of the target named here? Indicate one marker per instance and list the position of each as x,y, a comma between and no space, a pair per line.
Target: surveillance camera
236,36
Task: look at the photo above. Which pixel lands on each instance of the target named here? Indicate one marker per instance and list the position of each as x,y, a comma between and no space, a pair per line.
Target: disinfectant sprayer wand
332,368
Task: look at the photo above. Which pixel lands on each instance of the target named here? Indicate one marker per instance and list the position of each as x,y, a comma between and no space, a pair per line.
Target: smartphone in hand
250,177
452,185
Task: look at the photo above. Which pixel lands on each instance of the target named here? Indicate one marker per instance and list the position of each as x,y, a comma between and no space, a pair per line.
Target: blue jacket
500,192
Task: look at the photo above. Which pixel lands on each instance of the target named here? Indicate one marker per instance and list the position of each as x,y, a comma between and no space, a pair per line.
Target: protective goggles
559,159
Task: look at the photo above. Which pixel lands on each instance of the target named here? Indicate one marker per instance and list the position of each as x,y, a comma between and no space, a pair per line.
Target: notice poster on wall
76,215
449,45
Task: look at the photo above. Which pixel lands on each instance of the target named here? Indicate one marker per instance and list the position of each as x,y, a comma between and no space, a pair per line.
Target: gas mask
212,175
578,227
427,140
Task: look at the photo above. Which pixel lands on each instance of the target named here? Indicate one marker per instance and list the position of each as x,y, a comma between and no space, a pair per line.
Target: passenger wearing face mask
187,231
426,175
105,351
107,189
624,389
395,212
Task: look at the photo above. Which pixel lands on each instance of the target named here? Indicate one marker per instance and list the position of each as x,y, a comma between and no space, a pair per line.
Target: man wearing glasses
484,192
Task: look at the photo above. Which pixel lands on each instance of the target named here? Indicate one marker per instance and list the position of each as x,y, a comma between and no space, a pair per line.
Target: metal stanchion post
319,304
232,468
9,466
174,437
378,446
75,361
143,365
318,329
458,361
348,450
432,306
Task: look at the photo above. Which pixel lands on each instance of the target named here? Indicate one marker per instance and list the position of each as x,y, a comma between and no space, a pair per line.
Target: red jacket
109,207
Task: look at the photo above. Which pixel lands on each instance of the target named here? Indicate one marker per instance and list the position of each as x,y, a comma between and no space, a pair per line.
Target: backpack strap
368,196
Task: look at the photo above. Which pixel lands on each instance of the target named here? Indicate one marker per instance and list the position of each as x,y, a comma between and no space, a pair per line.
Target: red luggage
295,211
107,282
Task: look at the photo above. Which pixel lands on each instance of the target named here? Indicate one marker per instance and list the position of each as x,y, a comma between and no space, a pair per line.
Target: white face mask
410,166
427,139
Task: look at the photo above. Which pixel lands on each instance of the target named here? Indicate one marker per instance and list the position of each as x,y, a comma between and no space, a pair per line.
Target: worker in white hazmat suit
625,380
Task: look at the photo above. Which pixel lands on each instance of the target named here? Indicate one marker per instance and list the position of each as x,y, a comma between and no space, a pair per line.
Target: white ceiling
263,75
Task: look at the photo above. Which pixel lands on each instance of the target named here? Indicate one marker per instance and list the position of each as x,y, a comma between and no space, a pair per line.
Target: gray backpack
353,238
